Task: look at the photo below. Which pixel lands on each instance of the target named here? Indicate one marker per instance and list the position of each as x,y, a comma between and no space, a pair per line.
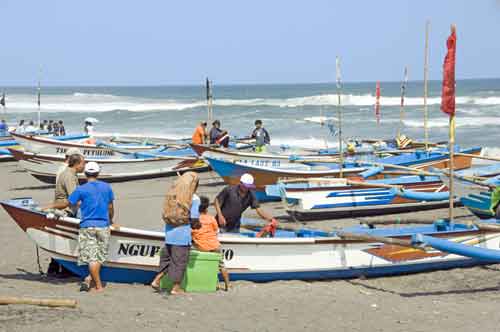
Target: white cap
72,151
247,180
92,167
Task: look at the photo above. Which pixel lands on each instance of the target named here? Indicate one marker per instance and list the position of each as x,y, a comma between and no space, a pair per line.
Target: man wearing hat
96,205
232,201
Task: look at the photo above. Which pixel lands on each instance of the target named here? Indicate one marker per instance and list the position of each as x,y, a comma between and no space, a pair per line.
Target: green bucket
201,273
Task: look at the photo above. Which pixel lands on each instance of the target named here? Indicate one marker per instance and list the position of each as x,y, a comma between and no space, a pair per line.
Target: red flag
377,103
448,93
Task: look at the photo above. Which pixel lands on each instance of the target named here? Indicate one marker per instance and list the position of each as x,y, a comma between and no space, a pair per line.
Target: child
261,136
204,233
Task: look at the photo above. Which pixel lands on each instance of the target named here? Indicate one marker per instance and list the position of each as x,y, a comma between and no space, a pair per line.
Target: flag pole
339,114
426,71
38,101
402,105
452,167
209,100
452,133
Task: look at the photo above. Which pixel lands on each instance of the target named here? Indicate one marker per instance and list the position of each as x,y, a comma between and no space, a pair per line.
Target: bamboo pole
401,107
452,166
371,238
339,113
40,302
426,71
38,100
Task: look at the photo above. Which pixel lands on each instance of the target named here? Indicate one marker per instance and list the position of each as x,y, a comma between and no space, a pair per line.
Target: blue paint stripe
351,204
125,275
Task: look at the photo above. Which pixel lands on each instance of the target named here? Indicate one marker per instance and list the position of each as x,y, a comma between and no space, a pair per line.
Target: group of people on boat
92,203
220,137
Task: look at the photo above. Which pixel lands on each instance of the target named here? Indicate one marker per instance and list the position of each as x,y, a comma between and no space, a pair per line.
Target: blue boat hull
123,275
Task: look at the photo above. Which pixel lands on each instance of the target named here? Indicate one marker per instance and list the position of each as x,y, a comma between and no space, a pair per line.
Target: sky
158,42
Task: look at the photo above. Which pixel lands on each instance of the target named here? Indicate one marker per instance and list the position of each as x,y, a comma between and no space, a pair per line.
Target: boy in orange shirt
200,134
204,233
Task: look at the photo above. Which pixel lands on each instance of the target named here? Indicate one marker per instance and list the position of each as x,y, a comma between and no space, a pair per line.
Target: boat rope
40,270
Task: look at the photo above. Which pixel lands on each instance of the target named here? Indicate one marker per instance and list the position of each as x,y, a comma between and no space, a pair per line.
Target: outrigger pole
426,71
402,105
339,114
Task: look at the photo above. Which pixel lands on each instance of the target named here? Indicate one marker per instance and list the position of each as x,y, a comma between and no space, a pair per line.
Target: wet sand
458,300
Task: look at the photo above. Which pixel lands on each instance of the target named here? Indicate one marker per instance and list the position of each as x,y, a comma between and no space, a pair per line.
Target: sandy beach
458,300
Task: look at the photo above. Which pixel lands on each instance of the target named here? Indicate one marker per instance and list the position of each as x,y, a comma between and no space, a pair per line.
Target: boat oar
371,238
40,302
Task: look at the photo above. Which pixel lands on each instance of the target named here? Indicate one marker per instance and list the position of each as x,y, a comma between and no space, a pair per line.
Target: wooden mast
426,71
209,101
339,114
401,107
38,99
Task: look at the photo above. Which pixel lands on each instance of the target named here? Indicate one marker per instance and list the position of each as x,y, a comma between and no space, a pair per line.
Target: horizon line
225,84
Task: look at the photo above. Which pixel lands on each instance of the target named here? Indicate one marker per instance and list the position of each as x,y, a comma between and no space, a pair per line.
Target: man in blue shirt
3,128
96,205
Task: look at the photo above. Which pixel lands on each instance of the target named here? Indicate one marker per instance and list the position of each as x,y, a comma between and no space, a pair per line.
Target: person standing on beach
232,201
69,153
67,182
62,130
21,127
174,256
3,128
200,134
96,205
261,136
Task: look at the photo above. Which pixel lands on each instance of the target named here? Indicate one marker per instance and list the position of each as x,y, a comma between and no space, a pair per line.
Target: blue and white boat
301,255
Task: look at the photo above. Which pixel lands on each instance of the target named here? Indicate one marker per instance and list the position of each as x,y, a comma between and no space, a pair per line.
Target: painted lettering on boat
132,249
260,162
227,254
89,152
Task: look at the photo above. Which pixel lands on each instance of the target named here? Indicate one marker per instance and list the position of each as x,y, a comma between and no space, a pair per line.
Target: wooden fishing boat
126,168
269,171
52,146
316,199
302,255
11,143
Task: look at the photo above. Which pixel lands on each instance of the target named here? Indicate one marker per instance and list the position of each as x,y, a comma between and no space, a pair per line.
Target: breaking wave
97,102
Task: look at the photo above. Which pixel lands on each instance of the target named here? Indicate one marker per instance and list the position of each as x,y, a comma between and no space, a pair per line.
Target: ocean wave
460,122
95,102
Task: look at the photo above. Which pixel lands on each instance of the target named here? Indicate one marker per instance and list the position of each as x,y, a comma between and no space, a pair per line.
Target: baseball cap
92,167
72,151
247,181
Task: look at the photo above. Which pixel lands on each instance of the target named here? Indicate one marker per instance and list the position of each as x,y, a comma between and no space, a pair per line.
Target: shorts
221,261
93,244
260,149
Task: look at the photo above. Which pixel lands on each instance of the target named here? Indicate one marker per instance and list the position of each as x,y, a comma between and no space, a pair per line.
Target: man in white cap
96,205
232,201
